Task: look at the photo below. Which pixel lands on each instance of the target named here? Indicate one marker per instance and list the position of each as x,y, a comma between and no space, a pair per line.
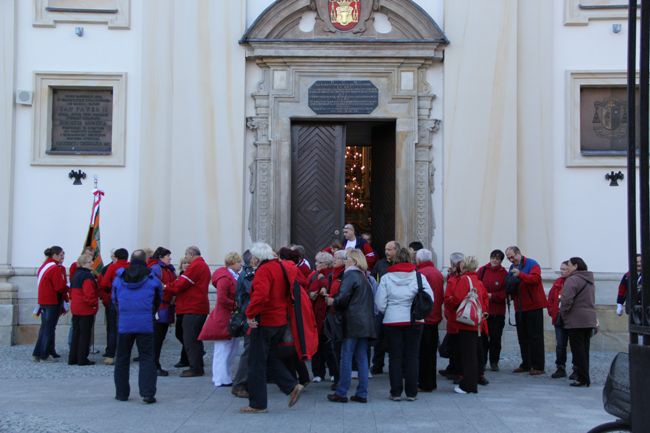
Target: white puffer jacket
395,295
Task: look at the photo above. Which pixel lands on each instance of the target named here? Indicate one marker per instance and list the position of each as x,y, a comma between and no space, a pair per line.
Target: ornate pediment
357,23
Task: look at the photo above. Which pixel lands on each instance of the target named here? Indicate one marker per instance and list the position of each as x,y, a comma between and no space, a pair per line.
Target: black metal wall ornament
77,176
613,178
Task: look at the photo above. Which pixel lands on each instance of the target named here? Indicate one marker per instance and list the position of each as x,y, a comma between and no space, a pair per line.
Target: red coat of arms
344,14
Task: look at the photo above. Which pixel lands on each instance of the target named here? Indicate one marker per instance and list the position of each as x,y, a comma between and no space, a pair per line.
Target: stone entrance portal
393,46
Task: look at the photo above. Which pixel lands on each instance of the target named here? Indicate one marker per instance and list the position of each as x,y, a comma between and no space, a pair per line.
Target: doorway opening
342,172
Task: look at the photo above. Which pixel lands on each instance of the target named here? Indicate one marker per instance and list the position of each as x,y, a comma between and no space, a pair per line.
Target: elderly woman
355,302
467,334
161,266
319,284
84,296
224,280
578,311
394,298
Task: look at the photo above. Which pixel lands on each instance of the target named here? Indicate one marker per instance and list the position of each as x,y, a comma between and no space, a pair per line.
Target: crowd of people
362,309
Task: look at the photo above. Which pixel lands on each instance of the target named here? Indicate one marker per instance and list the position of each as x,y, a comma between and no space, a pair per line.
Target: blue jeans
45,344
357,348
561,341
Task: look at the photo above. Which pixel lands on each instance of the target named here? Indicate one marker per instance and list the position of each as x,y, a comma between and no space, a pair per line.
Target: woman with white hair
394,298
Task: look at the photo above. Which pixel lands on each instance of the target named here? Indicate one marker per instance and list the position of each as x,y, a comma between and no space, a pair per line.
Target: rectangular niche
580,12
79,119
114,13
597,119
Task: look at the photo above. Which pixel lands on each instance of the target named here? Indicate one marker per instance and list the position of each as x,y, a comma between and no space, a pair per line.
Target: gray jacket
395,296
578,302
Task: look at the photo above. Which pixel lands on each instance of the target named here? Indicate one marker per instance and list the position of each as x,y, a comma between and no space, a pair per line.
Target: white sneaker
457,390
331,378
355,375
317,379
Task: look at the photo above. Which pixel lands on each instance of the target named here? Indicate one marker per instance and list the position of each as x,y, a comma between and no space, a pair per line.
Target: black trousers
82,327
482,347
111,330
403,358
530,333
467,343
428,358
495,327
147,368
263,355
579,339
296,367
179,336
159,334
454,366
241,377
324,357
379,345
192,325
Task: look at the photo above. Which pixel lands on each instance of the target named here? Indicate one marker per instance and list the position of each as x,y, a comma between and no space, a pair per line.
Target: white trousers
222,361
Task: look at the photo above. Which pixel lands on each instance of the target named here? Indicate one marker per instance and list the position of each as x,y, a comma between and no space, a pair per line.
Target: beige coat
578,302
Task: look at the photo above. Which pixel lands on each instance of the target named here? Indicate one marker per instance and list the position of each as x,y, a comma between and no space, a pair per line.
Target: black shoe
118,398
560,372
377,370
72,363
87,363
191,373
337,398
576,383
225,385
55,355
359,399
162,373
181,365
149,400
574,375
483,381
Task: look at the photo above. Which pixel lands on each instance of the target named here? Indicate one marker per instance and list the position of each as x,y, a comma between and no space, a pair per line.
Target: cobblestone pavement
54,397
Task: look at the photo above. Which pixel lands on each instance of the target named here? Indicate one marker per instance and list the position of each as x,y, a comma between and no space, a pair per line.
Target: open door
383,185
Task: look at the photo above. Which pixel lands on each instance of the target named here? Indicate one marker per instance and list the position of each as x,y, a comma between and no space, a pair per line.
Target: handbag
333,328
469,311
238,324
422,302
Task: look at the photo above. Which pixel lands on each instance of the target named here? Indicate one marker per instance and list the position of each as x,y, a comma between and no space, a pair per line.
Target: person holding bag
578,312
397,289
355,301
468,284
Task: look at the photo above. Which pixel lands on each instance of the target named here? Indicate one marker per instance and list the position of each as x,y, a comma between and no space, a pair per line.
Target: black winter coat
356,303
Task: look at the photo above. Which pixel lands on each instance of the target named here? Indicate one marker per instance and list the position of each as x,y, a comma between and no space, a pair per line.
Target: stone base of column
8,307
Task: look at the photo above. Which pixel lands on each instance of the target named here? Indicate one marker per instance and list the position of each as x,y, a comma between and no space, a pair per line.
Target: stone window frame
576,80
46,15
44,83
580,12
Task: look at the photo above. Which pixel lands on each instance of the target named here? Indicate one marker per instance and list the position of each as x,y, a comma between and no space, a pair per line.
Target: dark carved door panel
383,186
317,185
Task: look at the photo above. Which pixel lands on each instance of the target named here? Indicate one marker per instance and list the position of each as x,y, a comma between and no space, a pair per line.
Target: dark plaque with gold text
82,121
343,97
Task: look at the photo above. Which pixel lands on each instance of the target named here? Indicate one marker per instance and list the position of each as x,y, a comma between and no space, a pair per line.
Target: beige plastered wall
496,127
193,126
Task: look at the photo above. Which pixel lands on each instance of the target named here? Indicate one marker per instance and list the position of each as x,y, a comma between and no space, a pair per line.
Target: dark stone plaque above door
343,97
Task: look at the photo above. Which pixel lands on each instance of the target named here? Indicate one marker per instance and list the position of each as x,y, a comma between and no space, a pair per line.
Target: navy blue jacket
136,303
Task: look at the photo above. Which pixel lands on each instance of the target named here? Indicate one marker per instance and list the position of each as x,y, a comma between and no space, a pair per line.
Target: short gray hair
423,255
195,251
262,251
325,258
455,258
514,248
340,255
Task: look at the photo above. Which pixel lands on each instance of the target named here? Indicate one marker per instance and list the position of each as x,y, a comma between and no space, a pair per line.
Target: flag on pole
93,236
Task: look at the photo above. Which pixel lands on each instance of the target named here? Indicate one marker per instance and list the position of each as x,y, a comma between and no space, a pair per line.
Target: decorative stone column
8,293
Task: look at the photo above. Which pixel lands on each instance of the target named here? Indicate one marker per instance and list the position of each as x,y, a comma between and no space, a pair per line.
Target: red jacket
106,282
191,288
304,268
225,283
449,311
52,283
493,279
554,299
455,296
531,295
270,292
437,282
84,299
318,281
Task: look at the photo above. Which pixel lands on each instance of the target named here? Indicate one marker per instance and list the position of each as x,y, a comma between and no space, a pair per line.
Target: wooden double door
318,210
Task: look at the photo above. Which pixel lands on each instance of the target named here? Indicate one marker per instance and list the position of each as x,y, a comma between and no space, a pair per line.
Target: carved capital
259,125
426,129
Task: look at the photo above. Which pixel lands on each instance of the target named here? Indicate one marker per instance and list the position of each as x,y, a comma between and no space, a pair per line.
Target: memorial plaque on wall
82,121
343,97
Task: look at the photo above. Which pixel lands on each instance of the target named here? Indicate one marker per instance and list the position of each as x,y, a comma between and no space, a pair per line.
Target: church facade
466,125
